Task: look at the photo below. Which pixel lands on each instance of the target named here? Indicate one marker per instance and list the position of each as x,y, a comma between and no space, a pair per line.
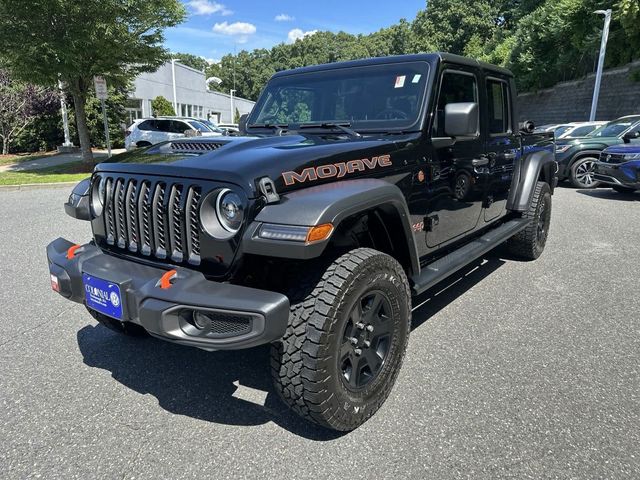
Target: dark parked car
365,183
577,157
619,168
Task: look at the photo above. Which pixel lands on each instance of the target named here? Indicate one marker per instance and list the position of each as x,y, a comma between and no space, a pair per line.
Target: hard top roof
431,58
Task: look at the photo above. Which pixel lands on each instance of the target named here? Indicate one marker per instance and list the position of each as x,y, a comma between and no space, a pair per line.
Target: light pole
231,92
65,117
603,51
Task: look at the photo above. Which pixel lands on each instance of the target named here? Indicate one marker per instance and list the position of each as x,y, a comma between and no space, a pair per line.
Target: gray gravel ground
519,370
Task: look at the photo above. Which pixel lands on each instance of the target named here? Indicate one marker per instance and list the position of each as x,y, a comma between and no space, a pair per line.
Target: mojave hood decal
337,170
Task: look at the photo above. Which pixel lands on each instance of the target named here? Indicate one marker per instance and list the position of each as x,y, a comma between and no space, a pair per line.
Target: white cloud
210,61
207,7
240,30
283,17
298,34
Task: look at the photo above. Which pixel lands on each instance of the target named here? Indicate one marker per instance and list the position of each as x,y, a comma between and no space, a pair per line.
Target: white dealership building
186,89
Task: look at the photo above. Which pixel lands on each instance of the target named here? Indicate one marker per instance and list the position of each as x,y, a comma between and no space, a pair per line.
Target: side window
179,127
455,88
147,125
163,125
498,100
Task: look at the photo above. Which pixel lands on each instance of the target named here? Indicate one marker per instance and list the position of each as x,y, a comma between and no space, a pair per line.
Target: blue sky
214,28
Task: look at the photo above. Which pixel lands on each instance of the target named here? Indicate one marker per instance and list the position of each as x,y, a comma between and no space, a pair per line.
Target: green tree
74,40
190,60
236,116
162,107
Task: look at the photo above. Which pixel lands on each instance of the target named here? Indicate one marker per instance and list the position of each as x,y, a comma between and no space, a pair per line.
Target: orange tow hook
71,253
165,280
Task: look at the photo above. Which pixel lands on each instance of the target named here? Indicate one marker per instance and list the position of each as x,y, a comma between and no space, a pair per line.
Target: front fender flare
329,203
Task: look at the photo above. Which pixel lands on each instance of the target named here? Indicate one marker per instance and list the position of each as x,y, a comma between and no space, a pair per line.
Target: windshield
198,126
375,97
559,131
613,129
212,126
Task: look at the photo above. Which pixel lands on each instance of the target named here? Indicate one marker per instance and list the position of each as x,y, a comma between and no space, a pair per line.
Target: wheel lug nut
369,328
357,351
360,325
367,343
354,340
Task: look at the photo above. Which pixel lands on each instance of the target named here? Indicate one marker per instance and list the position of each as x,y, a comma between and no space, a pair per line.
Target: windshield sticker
416,78
337,170
400,81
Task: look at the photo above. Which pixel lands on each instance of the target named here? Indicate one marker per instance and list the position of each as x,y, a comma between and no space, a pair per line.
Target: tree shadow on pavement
610,194
229,387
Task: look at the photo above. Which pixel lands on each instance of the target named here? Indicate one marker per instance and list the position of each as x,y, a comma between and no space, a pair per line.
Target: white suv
145,132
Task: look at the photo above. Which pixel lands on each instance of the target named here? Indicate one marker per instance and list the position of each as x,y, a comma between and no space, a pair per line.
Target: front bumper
241,317
622,174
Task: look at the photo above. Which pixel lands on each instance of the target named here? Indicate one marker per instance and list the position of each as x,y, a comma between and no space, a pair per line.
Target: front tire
530,242
582,172
348,331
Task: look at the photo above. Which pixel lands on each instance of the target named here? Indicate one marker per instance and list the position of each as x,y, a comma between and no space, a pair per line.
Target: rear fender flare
529,170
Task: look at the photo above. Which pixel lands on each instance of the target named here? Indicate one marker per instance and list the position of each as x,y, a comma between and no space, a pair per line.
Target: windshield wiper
279,128
340,126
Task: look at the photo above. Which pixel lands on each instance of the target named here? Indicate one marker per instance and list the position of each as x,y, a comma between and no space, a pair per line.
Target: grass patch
68,172
23,157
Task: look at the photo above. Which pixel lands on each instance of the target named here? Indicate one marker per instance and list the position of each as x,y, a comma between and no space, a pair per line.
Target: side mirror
242,124
461,119
631,136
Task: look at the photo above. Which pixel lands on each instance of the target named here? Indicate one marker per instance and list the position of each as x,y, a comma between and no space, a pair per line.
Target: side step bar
447,265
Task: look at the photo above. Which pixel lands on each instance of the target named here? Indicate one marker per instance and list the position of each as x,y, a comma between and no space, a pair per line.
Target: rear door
456,190
502,146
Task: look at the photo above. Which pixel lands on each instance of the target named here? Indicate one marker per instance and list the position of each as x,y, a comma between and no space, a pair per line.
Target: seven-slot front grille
154,218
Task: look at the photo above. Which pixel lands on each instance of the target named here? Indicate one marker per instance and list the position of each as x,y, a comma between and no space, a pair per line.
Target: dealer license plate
103,296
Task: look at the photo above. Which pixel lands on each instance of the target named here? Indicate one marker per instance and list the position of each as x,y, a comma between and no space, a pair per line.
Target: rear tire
582,172
348,331
529,243
126,328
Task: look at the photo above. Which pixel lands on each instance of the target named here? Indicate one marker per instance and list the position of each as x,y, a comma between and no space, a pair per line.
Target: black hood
243,160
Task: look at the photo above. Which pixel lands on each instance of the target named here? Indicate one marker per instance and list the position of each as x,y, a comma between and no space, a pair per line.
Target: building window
133,107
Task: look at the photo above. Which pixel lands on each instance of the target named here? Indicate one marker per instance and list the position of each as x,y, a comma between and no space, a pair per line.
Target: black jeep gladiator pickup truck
358,186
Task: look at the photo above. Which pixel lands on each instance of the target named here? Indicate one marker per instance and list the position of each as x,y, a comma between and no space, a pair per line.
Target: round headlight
98,194
230,210
102,190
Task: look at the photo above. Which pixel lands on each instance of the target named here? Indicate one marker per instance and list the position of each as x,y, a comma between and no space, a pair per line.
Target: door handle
479,162
510,156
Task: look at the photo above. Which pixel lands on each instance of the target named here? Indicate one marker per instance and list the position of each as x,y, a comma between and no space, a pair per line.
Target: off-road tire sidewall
305,365
379,388
525,244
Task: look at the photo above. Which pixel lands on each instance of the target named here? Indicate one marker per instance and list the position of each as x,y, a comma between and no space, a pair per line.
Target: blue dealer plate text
102,296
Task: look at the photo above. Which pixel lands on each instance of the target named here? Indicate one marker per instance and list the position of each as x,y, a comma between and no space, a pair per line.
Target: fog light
200,320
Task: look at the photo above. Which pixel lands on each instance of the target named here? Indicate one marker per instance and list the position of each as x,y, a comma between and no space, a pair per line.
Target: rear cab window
498,104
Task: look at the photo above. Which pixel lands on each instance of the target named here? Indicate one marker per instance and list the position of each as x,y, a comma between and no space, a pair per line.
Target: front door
455,188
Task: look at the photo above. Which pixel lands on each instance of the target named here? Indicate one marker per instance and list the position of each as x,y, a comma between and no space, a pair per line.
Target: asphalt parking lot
519,370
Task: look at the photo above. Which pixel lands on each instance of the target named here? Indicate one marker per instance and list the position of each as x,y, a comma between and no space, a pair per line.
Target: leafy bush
162,107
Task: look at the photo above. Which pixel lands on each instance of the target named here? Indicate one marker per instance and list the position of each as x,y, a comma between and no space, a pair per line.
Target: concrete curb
36,186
